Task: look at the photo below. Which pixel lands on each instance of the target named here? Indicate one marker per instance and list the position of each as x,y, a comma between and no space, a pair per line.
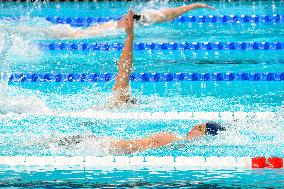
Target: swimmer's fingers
129,25
206,6
209,7
212,8
130,17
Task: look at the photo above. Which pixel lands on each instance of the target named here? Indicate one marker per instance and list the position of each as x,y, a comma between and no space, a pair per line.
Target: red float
275,162
258,162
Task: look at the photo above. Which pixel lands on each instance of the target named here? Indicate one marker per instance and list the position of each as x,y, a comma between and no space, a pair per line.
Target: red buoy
275,162
258,162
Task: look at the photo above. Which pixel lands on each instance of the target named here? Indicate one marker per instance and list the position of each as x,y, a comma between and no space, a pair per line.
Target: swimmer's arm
132,146
170,14
137,145
125,62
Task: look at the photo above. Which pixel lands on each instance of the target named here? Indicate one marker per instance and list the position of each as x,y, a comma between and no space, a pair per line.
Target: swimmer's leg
108,26
170,14
67,32
91,31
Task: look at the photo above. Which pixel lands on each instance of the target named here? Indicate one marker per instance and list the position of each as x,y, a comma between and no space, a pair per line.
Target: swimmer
147,17
123,146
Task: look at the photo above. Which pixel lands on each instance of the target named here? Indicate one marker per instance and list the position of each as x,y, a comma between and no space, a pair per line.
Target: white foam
11,105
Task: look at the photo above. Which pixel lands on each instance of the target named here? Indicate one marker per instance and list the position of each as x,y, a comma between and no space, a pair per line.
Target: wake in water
246,137
8,102
22,105
41,29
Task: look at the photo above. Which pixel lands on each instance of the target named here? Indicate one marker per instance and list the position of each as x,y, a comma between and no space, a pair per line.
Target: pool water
24,106
143,178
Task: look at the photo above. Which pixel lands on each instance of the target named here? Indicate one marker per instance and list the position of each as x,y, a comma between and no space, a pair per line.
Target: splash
4,67
19,103
20,48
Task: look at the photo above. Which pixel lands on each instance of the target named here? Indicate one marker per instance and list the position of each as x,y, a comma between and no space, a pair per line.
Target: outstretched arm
154,141
121,86
170,14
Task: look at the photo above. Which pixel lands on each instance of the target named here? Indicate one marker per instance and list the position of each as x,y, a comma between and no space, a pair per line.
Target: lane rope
132,162
68,46
230,116
145,77
89,21
95,113
239,19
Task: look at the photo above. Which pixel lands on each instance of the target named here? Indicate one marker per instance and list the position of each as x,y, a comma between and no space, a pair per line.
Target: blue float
73,46
194,77
255,18
246,18
145,77
192,18
256,76
266,45
244,45
34,77
169,76
255,45
278,46
174,46
47,77
108,76
232,76
132,77
231,45
270,76
141,46
245,76
63,46
212,18
69,20
51,46
59,20
58,77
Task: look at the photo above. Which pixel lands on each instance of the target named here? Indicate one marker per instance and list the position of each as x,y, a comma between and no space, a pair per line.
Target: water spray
4,67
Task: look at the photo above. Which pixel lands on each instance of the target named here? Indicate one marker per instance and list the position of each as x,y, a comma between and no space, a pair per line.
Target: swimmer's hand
129,23
201,5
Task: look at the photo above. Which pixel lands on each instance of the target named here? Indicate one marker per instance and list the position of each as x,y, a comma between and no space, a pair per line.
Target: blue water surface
247,137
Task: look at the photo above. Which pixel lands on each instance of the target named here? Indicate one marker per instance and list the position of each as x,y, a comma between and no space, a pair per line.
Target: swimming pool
232,73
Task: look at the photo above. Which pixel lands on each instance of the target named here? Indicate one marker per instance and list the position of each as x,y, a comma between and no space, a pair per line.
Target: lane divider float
132,162
143,77
89,21
94,114
194,46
